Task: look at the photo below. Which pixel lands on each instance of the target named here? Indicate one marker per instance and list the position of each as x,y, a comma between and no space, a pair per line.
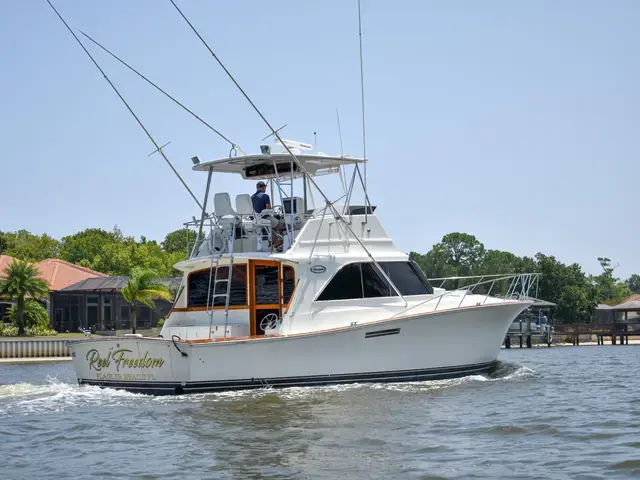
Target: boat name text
119,358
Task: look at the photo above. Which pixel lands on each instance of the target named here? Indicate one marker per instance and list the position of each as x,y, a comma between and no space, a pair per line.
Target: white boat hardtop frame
300,295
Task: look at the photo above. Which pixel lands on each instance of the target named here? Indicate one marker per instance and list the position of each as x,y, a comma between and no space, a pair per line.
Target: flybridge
268,166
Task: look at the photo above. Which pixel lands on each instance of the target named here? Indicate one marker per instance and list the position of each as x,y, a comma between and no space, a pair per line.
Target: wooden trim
252,292
204,309
268,306
181,289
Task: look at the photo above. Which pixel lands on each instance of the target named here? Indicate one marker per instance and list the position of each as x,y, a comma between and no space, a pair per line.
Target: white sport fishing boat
298,296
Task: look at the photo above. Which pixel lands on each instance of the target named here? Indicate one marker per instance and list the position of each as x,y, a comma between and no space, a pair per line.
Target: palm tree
20,282
143,287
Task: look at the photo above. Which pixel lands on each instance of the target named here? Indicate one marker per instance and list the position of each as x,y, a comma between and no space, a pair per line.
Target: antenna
233,145
158,148
364,136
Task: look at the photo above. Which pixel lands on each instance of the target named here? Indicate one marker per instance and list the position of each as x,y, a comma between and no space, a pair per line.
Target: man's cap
260,184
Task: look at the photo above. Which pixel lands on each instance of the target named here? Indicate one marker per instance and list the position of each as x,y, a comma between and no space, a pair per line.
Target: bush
8,331
40,331
35,315
161,323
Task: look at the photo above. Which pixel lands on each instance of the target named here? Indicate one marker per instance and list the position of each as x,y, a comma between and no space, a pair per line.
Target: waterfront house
97,304
58,274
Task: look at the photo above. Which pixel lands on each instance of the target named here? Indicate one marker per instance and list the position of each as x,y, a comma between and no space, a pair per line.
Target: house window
364,280
200,284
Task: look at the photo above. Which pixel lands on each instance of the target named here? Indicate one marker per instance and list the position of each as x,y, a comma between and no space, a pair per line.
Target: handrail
526,280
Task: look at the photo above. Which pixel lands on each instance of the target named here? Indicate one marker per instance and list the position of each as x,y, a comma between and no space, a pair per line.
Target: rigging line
335,212
341,167
234,145
126,104
364,137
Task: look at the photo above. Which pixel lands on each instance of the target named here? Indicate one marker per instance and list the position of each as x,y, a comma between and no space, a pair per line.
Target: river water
571,412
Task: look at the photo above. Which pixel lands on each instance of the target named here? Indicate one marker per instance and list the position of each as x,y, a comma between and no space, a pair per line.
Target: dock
617,333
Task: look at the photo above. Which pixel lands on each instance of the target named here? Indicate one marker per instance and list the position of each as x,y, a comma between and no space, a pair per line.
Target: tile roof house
57,273
60,274
97,304
5,260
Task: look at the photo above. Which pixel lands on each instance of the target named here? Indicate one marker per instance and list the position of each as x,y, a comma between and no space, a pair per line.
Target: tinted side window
375,285
406,277
345,284
199,283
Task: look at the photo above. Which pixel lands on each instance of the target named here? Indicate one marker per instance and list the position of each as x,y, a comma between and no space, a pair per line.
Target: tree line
108,252
575,293
458,254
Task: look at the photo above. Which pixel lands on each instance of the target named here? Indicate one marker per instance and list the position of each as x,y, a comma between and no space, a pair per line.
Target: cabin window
364,280
288,283
407,277
373,282
345,284
199,286
267,285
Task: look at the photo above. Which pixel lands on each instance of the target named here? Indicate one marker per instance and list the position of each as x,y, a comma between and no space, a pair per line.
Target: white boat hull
437,345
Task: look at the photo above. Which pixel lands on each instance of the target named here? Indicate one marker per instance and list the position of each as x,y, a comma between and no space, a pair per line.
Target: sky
516,122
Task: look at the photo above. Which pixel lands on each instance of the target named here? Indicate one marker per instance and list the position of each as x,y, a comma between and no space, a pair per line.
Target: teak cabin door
264,292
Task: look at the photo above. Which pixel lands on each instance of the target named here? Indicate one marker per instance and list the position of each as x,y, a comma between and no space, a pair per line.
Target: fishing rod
301,166
158,148
234,146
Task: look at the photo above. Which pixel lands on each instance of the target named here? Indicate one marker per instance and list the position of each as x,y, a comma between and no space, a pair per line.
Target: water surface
554,413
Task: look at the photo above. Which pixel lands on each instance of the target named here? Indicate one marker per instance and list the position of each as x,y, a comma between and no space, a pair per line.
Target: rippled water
546,413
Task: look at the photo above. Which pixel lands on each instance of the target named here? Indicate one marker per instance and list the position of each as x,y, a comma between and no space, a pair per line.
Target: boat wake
56,395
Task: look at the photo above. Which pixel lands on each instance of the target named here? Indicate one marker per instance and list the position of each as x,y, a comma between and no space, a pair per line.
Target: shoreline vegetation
575,293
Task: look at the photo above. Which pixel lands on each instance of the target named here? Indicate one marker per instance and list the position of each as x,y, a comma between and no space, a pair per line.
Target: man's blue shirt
260,201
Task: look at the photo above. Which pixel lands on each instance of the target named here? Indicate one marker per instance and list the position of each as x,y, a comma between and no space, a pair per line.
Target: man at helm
260,199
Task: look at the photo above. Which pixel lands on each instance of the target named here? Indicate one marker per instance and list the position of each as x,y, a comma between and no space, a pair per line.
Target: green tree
610,289
179,241
568,287
20,283
93,246
35,315
633,282
27,246
462,251
3,243
143,287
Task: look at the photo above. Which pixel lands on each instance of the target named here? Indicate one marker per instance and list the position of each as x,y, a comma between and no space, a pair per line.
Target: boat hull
429,346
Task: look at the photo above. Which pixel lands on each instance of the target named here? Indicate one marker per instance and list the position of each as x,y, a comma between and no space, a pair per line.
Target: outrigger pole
158,148
298,162
234,146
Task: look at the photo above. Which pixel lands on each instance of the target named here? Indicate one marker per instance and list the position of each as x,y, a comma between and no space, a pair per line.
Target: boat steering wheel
269,322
